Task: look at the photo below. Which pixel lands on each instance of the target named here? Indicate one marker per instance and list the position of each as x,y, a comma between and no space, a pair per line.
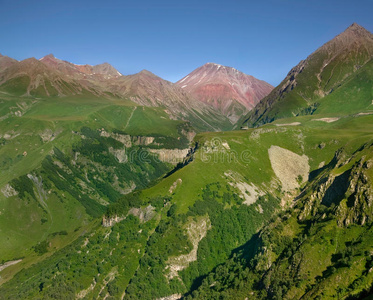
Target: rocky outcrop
125,139
144,214
350,192
171,156
111,221
357,208
143,140
9,191
196,231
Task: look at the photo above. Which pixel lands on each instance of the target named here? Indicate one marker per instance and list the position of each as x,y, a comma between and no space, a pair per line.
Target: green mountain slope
319,249
63,161
171,238
326,79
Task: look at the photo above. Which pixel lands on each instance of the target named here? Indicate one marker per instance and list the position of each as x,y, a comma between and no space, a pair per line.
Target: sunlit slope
190,222
63,160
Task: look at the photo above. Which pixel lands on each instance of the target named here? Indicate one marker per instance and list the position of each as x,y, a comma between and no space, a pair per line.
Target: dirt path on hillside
130,117
9,263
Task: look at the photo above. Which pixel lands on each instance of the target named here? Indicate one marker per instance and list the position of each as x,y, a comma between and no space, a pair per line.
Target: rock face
315,77
171,156
225,88
351,191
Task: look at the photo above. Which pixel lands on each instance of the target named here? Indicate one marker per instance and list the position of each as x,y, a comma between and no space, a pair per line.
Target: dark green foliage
41,247
299,258
73,268
67,183
229,228
23,185
124,203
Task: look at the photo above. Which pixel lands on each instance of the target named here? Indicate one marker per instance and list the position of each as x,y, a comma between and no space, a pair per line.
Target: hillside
310,87
171,238
319,248
230,91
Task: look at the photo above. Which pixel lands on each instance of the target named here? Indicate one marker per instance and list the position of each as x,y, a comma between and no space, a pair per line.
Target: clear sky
263,38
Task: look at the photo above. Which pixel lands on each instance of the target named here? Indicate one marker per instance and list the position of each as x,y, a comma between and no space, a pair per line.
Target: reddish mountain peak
225,88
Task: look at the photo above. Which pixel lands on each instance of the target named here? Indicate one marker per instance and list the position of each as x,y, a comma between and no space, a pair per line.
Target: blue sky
171,38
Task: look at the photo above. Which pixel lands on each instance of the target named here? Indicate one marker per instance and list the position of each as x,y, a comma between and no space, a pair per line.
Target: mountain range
218,98
121,187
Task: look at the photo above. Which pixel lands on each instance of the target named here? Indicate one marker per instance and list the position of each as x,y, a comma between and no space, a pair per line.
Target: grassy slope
25,221
318,140
307,255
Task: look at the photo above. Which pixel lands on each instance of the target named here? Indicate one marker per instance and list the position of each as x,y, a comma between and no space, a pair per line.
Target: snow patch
184,79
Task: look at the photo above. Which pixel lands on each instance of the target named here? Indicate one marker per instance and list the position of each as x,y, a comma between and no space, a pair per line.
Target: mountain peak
147,73
225,88
355,26
356,29
213,64
49,56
